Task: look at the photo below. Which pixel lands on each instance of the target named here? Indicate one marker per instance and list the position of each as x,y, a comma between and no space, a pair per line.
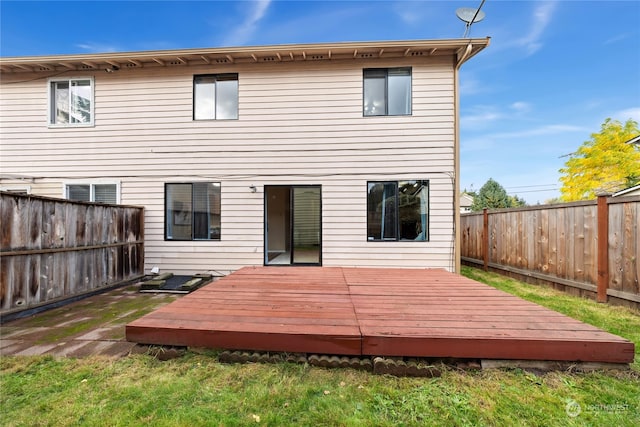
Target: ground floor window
398,210
192,211
99,193
13,189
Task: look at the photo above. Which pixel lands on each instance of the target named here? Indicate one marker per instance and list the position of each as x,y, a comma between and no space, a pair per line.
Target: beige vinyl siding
299,123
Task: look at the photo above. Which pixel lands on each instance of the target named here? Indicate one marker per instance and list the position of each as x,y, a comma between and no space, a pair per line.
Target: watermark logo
573,408
608,407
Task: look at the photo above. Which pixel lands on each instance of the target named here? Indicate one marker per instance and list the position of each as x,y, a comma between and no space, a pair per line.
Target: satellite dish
470,16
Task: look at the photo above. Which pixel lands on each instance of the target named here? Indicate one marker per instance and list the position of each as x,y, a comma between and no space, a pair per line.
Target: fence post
603,248
485,238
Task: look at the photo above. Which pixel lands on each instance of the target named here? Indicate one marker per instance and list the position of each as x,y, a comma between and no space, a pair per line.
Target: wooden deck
372,312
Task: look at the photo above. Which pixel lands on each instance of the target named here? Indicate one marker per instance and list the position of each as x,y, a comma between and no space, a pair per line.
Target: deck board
373,312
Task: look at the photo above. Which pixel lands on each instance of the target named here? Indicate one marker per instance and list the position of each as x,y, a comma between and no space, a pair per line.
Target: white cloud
478,144
97,47
542,16
617,38
248,27
417,12
541,130
408,14
629,113
469,85
488,141
480,116
592,104
521,107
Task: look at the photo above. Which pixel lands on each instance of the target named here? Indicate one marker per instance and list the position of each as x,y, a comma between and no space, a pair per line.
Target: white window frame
91,185
16,188
50,95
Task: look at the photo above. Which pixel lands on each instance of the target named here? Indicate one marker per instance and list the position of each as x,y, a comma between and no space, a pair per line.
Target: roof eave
626,190
272,53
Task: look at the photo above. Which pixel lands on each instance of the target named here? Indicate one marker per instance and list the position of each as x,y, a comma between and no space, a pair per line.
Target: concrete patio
92,326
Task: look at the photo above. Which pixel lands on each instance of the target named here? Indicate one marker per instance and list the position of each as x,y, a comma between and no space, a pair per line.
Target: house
466,200
634,190
341,154
631,191
635,140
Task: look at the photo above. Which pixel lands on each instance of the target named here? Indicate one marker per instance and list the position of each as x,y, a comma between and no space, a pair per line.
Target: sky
554,71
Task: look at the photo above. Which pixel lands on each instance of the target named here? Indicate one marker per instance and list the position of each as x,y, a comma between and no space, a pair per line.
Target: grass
197,390
620,321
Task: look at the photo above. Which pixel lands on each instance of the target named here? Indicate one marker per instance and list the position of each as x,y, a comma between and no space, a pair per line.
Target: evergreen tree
516,202
492,196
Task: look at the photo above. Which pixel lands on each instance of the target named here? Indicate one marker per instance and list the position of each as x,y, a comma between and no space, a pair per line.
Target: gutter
463,56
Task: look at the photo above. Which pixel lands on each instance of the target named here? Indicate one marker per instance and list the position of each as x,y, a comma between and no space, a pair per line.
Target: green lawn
615,319
197,390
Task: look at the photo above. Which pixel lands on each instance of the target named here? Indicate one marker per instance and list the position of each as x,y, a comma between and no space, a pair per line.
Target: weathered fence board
624,266
558,244
53,249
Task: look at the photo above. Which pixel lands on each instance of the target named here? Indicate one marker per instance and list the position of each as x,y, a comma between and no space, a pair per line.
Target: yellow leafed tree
605,163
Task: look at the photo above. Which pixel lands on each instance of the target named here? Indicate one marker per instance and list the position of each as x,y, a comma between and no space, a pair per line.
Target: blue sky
555,70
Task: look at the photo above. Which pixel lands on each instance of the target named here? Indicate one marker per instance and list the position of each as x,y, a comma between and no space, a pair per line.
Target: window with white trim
71,102
17,189
387,91
99,193
215,97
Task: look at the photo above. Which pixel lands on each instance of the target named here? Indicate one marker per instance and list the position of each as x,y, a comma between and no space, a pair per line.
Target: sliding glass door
306,225
293,225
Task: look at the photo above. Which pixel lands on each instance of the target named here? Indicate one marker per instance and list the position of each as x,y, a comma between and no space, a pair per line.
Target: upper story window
387,92
398,210
99,193
215,97
71,102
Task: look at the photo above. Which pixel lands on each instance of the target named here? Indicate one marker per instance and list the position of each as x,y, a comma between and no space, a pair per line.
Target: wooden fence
587,248
53,249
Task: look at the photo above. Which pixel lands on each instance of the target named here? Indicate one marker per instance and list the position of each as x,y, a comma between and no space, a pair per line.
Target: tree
553,201
516,202
493,196
605,163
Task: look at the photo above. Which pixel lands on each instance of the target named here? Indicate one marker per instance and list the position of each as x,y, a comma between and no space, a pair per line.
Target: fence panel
624,267
558,244
53,249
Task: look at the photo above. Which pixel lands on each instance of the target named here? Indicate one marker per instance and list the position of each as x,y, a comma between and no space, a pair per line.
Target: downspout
456,157
462,58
